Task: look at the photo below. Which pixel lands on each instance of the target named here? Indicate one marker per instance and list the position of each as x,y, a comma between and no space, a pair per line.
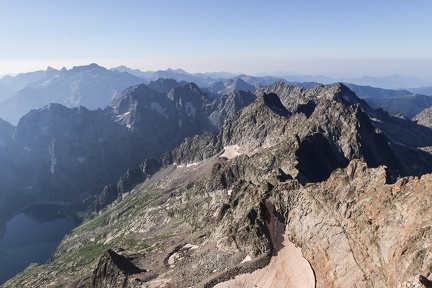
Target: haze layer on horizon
334,38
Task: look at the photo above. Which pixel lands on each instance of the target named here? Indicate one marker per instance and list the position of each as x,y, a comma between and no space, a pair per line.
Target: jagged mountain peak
178,70
293,96
229,85
90,67
164,85
189,93
137,95
338,92
51,69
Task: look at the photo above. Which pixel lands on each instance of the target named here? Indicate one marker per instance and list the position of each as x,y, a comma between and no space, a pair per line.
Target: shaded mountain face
6,132
59,153
90,86
325,183
225,107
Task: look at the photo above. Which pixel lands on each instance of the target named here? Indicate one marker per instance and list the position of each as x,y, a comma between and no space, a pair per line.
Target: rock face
113,270
360,243
325,185
227,106
424,117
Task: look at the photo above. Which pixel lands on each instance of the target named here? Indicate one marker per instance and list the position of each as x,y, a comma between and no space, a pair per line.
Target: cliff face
317,189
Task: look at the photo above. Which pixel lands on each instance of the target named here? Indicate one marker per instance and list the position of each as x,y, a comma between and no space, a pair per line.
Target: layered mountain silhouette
95,87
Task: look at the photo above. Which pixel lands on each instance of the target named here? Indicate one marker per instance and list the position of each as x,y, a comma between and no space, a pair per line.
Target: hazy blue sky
332,37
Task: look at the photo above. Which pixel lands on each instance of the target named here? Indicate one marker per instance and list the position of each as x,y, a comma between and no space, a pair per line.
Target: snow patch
192,164
346,98
190,246
180,253
180,122
158,108
376,120
190,109
247,259
186,165
288,269
229,192
122,116
179,165
231,151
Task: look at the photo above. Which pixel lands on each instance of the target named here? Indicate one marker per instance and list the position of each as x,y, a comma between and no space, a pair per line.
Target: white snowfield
288,269
190,110
158,108
232,151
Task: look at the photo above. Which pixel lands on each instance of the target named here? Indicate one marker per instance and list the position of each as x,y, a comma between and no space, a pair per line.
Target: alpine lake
31,236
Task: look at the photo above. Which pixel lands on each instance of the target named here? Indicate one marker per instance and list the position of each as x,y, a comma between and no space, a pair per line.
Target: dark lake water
31,236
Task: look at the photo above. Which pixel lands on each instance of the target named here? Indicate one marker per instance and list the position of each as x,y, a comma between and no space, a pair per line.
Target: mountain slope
223,204
69,154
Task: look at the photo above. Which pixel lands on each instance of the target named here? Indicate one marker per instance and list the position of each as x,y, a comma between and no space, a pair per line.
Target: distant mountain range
91,86
95,87
394,82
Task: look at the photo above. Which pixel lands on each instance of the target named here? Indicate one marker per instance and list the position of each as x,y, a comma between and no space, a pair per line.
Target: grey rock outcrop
113,270
424,117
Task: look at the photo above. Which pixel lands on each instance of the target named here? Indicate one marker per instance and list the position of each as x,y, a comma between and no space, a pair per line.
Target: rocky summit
301,188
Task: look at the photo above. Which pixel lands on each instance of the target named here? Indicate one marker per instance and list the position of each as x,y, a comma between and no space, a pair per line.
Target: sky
348,38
